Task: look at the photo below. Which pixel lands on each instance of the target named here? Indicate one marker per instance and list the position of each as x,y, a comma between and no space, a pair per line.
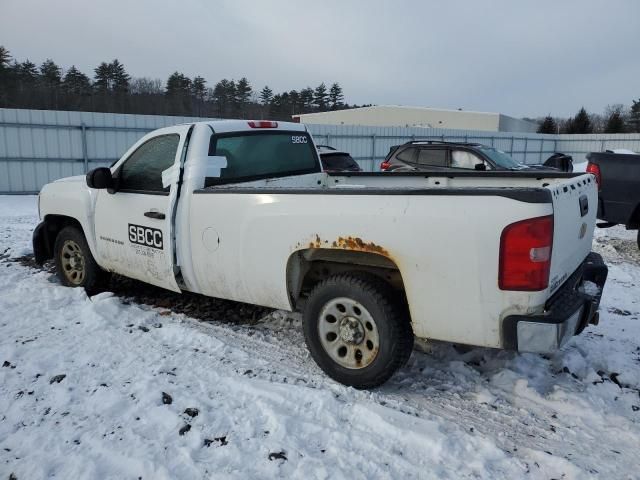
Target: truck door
134,225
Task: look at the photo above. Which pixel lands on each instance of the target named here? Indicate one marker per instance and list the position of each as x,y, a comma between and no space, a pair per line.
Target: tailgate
575,202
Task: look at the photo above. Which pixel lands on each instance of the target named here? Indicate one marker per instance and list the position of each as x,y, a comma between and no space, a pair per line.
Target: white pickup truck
241,210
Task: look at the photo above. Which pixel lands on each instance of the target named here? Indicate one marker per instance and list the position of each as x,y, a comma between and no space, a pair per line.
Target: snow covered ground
82,384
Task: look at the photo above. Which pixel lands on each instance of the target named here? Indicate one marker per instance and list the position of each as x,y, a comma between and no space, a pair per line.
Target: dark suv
433,155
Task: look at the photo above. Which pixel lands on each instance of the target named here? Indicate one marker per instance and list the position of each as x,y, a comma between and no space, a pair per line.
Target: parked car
242,210
434,155
618,176
336,161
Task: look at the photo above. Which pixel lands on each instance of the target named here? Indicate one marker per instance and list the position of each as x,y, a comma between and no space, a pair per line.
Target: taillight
525,254
595,170
262,124
385,165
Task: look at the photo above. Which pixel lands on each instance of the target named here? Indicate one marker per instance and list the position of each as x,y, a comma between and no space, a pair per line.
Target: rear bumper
567,313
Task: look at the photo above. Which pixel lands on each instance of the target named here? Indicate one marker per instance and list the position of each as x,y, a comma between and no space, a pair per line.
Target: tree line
615,119
111,89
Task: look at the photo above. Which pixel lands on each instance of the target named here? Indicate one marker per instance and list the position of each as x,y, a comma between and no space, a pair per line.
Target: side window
433,157
464,159
407,155
143,169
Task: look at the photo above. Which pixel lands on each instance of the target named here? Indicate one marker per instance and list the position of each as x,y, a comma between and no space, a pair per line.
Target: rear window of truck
256,155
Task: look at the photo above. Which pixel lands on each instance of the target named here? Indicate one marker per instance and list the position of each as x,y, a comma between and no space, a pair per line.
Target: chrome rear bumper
567,313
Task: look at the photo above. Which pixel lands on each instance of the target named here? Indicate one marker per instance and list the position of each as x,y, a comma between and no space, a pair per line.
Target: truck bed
416,219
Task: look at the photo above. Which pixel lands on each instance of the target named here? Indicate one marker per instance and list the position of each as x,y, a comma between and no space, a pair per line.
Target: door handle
152,214
584,205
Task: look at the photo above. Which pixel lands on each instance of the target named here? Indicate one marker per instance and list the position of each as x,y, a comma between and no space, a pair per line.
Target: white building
400,116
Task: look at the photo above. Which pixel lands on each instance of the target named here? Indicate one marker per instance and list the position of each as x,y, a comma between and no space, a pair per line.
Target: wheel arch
307,267
44,236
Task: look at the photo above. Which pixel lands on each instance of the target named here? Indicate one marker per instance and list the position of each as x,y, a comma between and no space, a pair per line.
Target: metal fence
39,146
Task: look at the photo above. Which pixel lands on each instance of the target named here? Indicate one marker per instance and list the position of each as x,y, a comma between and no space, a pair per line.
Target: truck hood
75,178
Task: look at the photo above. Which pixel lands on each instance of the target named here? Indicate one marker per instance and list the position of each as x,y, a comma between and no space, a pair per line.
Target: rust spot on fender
356,243
316,242
349,243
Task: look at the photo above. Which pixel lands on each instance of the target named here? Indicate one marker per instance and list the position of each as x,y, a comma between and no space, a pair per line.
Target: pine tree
320,97
615,119
306,99
634,116
75,82
178,93
278,106
27,73
5,60
6,72
295,102
224,94
102,80
111,77
548,125
581,123
218,97
178,85
119,76
266,95
50,74
242,95
285,106
198,93
199,88
336,98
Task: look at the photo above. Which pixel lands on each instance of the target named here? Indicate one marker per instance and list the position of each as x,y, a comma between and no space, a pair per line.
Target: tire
75,265
638,239
357,330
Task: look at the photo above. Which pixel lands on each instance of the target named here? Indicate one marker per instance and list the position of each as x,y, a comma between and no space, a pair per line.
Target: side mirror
480,166
100,178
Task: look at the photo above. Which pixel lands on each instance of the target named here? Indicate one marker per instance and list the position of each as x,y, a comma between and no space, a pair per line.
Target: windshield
500,158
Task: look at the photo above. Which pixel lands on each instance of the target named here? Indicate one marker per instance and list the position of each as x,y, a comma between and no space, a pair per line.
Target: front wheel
356,330
75,265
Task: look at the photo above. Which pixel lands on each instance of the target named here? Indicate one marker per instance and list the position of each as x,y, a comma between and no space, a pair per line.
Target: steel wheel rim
73,264
348,333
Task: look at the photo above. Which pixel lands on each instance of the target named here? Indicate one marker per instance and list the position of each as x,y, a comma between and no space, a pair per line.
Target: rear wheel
356,330
75,264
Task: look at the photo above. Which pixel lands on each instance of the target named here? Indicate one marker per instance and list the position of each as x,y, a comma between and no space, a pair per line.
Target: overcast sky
521,58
